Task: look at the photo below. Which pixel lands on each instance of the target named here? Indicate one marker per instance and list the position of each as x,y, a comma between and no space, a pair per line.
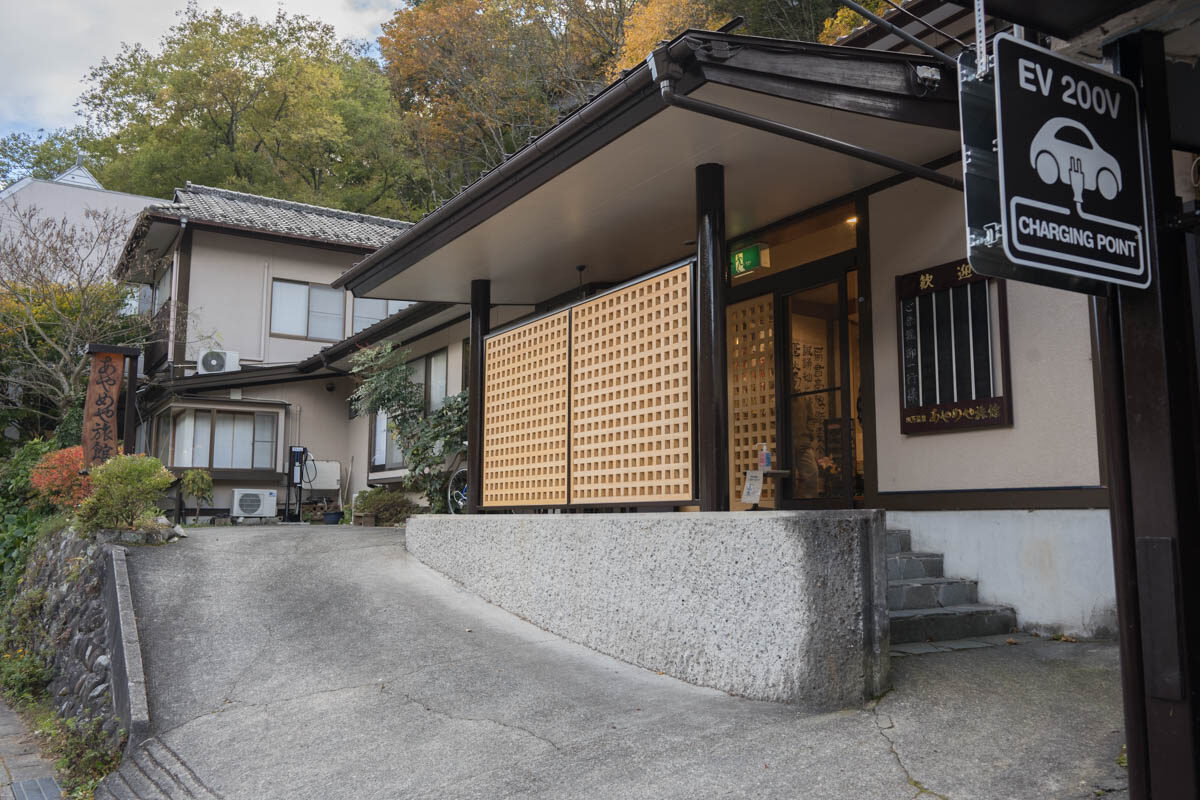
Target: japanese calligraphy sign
100,408
952,373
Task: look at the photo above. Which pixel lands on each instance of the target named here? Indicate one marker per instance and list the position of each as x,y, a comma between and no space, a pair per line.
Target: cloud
47,47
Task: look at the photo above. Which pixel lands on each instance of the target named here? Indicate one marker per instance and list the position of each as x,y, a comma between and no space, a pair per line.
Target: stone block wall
770,605
64,598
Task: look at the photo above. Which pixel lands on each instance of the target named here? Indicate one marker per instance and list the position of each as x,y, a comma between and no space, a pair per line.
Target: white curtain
264,441
200,439
289,308
326,309
437,379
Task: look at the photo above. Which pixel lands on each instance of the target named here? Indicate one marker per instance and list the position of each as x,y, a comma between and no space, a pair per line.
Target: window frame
173,416
426,375
948,417
308,337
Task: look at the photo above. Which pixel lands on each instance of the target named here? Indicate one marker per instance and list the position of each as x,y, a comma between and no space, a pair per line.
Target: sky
46,46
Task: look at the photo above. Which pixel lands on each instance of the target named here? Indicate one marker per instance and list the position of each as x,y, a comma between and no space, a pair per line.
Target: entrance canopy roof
612,187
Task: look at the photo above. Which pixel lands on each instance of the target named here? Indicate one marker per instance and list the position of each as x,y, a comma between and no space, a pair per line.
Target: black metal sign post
1155,521
1068,183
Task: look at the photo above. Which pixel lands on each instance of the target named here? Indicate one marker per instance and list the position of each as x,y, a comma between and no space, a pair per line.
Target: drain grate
36,789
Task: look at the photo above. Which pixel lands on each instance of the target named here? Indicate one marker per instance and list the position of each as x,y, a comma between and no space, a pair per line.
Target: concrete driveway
297,662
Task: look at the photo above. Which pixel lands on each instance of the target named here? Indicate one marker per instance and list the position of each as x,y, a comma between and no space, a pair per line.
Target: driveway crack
883,729
409,699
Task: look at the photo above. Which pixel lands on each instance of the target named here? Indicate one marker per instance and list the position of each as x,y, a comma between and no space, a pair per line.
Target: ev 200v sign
1068,138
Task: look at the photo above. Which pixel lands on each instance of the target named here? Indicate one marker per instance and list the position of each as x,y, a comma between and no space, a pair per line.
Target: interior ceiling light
851,220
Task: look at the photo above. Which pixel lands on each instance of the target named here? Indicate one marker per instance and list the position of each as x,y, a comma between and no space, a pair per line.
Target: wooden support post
1155,514
481,325
131,370
712,405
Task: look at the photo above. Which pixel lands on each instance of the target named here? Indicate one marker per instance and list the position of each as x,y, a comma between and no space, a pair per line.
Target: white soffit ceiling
630,207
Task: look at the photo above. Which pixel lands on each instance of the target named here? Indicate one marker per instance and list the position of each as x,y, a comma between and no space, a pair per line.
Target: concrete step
931,593
905,566
154,772
899,541
950,622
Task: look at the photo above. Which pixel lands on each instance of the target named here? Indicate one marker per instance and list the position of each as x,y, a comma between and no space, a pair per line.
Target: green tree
41,155
280,108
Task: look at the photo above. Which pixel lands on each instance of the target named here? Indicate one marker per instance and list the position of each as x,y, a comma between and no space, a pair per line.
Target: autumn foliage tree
57,480
56,297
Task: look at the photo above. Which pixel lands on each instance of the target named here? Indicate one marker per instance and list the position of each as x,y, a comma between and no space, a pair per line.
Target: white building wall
229,297
1054,567
1053,440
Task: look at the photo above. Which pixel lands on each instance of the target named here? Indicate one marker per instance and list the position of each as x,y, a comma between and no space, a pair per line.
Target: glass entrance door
820,382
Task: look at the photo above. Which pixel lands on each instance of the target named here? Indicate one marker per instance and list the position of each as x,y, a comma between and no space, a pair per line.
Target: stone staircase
924,605
154,772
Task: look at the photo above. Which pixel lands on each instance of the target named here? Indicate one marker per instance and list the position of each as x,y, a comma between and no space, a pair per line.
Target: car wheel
1106,182
1047,167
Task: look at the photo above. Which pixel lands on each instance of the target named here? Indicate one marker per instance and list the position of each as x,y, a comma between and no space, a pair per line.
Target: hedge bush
56,478
125,493
16,491
390,506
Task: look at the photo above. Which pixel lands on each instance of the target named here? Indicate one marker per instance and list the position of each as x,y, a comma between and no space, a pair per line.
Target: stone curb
127,675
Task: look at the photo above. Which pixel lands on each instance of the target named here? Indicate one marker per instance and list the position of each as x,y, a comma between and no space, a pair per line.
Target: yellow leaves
656,20
845,21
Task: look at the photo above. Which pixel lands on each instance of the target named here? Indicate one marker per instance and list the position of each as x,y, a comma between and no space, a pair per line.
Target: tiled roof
223,206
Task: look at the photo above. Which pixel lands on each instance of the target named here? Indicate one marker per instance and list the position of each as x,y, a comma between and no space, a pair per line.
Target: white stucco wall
230,295
1053,440
1054,567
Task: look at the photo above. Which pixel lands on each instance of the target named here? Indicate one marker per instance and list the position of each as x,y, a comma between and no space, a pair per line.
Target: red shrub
56,478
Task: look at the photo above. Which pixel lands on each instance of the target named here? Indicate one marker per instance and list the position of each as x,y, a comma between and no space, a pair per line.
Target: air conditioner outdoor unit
253,503
212,361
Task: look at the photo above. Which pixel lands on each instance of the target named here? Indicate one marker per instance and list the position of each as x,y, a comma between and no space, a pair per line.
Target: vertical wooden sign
100,408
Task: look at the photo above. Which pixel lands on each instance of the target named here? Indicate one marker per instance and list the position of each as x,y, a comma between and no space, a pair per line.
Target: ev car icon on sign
1072,195
1064,150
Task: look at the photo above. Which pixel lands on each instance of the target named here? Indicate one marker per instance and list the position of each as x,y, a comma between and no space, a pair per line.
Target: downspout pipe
664,74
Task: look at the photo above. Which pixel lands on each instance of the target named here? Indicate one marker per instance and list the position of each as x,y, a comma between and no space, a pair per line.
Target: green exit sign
747,260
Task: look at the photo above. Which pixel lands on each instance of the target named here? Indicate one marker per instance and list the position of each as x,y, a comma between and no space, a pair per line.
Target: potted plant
332,515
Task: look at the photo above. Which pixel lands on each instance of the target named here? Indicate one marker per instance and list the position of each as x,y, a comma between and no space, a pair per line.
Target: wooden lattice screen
750,333
631,393
525,414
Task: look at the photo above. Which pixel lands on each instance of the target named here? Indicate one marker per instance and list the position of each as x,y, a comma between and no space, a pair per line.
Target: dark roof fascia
619,108
373,334
184,397
837,78
244,377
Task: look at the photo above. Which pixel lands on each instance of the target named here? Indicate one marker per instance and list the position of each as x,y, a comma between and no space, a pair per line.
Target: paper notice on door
752,491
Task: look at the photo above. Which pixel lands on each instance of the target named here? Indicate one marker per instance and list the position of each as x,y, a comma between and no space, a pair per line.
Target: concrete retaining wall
770,605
